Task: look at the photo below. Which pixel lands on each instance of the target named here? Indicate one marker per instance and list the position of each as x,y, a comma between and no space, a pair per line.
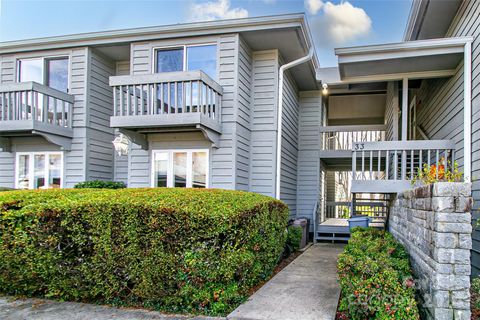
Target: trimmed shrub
100,184
5,189
375,277
176,250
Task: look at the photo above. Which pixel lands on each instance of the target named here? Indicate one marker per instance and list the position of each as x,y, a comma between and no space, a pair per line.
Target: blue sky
333,23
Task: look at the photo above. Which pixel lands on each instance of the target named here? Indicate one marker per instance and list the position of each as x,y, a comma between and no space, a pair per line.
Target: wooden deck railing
33,101
343,137
399,160
166,93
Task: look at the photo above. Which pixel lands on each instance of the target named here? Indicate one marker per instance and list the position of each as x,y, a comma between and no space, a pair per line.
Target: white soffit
412,59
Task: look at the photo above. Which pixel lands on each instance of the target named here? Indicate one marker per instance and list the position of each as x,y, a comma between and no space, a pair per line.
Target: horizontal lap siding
391,111
243,135
7,159
223,159
308,175
288,176
75,159
223,169
100,108
442,112
263,121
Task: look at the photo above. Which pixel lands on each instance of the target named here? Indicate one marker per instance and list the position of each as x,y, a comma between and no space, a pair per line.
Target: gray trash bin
358,221
303,223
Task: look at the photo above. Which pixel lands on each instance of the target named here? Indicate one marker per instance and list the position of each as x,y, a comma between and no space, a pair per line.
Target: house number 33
359,146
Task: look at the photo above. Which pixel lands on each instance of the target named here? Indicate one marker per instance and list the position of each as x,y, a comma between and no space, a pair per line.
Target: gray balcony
170,101
32,109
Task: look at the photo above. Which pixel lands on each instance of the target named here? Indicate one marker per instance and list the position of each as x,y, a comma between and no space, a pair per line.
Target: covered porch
385,144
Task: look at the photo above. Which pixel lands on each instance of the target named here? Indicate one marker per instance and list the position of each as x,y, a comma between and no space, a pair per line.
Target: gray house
244,104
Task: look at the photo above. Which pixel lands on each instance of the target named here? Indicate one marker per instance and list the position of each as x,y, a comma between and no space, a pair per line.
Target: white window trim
31,167
170,153
44,65
184,47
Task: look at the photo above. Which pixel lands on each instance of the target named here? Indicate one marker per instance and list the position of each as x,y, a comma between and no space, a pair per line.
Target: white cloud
215,10
313,6
337,23
346,22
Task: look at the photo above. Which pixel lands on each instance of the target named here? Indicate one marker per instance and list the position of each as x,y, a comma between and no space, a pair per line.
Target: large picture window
39,170
180,168
187,58
52,72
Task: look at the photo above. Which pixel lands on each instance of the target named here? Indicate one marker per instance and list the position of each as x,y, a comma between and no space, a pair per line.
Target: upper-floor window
187,58
52,72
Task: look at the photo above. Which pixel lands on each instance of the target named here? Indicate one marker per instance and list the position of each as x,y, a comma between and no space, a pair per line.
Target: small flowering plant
441,173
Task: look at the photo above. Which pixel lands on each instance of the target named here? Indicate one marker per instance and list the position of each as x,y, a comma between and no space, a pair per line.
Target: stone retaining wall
434,224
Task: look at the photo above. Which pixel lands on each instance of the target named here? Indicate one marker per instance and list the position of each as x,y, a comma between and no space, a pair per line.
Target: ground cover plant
475,298
375,278
176,250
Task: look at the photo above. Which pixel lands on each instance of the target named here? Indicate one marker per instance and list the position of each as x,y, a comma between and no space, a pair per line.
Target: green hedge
375,278
100,184
177,250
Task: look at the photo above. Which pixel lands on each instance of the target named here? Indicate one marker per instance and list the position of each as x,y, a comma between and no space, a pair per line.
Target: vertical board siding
440,108
308,175
243,127
263,121
391,111
288,175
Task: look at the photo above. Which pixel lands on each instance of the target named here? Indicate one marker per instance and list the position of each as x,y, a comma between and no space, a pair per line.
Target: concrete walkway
306,289
39,309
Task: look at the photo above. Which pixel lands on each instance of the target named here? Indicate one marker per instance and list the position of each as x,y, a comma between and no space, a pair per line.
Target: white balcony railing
343,137
168,93
31,101
397,162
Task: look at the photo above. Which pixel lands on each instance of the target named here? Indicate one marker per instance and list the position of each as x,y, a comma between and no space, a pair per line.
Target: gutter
284,67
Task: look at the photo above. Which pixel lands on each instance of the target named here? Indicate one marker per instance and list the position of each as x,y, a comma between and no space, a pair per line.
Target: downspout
467,112
284,67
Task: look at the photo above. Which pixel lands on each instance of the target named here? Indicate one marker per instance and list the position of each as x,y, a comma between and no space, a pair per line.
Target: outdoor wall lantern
121,144
325,89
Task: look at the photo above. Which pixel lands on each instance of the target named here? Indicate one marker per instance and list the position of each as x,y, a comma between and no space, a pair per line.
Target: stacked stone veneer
434,224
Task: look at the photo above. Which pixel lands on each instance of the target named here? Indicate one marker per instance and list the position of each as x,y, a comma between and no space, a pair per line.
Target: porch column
404,124
404,108
467,112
